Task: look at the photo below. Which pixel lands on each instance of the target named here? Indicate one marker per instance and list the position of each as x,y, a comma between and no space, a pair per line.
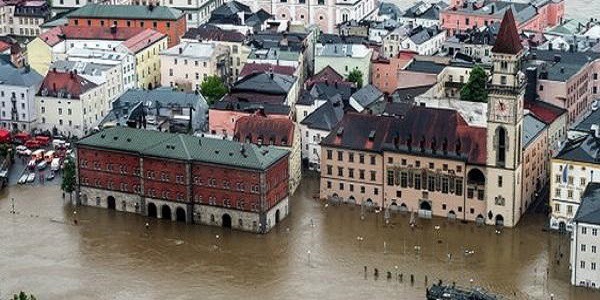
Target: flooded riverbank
111,255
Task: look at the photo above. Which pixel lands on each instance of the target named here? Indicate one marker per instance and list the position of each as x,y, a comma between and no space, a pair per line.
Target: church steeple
508,40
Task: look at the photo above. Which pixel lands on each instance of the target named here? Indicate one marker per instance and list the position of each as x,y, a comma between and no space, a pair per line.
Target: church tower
505,127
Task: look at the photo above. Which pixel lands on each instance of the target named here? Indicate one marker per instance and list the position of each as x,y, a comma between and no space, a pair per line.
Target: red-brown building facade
184,178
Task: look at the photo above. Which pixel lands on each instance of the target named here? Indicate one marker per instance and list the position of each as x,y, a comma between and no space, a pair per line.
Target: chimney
595,130
151,7
181,50
71,74
562,70
550,46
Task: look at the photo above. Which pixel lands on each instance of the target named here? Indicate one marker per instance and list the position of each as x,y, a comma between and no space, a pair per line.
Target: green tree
475,89
213,89
23,296
68,180
356,76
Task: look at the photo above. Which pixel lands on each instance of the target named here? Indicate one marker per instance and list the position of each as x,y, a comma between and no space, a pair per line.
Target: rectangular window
329,154
582,181
329,169
341,186
417,181
350,172
431,183
583,247
340,171
431,166
499,181
557,178
403,179
328,184
351,157
340,155
594,231
459,187
362,189
557,207
583,230
557,192
361,174
376,191
372,159
390,177
361,158
373,175
582,264
445,185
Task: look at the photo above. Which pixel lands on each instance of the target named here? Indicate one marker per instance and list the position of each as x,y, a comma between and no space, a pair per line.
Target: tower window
501,153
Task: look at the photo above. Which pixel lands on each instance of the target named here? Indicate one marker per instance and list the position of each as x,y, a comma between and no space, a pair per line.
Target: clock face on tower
502,109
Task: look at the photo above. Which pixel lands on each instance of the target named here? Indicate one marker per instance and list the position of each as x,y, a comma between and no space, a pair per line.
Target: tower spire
508,40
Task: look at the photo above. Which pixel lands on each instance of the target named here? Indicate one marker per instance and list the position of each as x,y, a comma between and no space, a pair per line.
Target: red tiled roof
4,46
251,68
546,112
508,40
327,75
276,131
69,84
142,40
432,126
60,33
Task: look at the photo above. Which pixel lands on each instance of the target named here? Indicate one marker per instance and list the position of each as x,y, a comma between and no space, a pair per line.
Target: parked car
23,179
31,177
42,165
31,164
55,165
50,176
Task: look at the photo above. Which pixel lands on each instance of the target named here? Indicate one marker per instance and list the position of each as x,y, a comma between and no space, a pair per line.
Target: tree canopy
68,180
356,76
213,89
475,89
23,296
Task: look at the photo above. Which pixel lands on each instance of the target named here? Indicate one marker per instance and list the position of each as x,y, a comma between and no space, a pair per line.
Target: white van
55,165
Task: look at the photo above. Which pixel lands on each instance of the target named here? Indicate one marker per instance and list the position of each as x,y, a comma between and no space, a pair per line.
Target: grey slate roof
585,125
569,65
532,126
327,116
386,8
25,77
268,108
185,147
367,95
424,10
83,68
428,67
585,149
589,209
126,12
265,82
165,97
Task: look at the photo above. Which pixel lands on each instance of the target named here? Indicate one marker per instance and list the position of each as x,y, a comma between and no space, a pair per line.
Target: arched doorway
403,207
499,220
152,211
226,221
180,213
351,200
277,216
165,212
425,205
480,219
425,209
452,215
476,177
562,227
369,202
111,203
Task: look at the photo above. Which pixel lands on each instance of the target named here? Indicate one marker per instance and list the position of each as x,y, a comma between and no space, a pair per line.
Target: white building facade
17,97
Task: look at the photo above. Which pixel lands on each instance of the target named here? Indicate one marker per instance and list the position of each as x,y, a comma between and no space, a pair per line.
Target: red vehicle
4,136
21,137
43,140
32,144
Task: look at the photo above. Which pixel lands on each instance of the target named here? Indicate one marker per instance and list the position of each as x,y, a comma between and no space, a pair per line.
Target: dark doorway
499,220
226,221
111,203
152,211
562,227
166,212
180,212
277,216
425,205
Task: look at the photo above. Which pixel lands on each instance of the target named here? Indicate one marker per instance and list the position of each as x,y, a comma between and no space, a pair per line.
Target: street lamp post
13,206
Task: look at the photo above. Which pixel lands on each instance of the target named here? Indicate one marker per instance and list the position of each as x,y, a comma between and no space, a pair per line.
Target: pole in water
425,279
13,206
401,275
375,272
365,269
389,275
412,278
147,226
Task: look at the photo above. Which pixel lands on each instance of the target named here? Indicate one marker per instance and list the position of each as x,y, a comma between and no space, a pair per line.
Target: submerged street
319,251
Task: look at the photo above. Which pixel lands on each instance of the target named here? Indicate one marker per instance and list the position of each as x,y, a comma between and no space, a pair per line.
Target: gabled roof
209,32
68,84
251,68
367,95
508,40
589,209
143,40
61,33
24,77
250,107
361,132
133,12
185,147
326,116
532,127
544,111
585,149
259,129
266,82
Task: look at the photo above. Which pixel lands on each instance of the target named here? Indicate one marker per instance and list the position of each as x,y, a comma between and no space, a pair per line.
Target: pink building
567,80
386,71
223,115
535,16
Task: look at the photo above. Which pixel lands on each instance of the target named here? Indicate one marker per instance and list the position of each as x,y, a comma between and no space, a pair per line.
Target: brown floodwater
110,255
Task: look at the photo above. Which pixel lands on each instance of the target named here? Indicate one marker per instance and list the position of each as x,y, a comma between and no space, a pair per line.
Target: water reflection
319,251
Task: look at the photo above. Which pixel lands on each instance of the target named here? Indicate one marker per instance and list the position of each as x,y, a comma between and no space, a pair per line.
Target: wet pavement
110,255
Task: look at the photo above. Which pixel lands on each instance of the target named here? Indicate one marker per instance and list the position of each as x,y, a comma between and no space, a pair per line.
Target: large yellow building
146,48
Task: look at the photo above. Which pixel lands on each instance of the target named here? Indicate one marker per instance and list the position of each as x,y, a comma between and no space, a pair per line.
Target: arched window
501,149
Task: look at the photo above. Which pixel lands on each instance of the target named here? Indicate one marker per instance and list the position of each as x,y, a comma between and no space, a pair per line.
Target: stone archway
425,205
480,219
165,212
180,215
276,217
452,215
111,203
152,210
226,221
499,220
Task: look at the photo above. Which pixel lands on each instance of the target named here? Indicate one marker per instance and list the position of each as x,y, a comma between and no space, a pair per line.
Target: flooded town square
320,251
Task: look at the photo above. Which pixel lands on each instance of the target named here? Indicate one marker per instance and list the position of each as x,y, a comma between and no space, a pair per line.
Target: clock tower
505,127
